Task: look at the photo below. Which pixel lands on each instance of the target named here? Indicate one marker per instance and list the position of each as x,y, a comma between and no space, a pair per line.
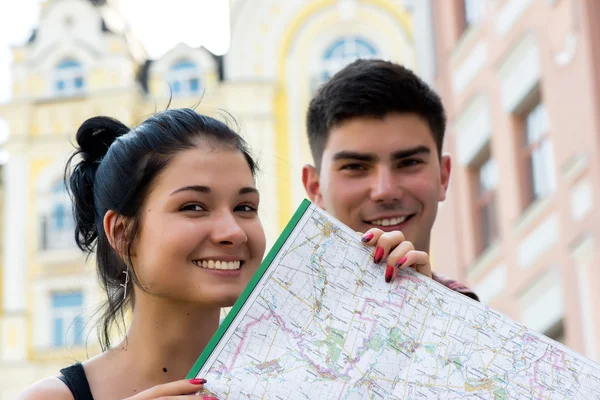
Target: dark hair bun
94,138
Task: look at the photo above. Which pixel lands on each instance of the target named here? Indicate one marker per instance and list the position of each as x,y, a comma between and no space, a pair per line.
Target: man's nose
384,186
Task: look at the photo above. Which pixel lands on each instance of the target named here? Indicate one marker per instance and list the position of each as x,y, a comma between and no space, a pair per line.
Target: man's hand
398,252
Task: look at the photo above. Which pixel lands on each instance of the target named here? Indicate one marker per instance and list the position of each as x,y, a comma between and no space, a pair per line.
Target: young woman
170,208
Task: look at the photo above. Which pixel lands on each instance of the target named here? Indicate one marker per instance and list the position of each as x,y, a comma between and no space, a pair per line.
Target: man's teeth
216,264
388,222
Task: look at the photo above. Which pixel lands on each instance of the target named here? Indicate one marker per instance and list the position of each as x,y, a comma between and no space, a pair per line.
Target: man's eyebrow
354,155
370,157
411,152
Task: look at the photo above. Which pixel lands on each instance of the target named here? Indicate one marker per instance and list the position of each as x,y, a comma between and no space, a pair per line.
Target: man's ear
445,169
312,186
118,233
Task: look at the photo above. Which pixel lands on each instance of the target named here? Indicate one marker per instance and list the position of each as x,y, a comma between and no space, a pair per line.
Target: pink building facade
521,85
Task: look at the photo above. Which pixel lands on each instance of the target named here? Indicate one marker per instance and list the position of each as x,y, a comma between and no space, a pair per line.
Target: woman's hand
398,252
178,390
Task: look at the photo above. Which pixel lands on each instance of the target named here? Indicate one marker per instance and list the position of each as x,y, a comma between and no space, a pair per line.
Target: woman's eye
246,208
192,207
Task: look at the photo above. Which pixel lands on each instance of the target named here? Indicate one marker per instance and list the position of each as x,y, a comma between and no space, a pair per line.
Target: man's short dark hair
371,88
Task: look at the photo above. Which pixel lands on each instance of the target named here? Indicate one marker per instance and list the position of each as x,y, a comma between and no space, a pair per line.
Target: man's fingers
385,243
398,257
418,260
371,236
399,253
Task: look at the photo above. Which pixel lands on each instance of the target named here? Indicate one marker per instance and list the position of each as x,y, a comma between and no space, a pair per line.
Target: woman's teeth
216,264
388,222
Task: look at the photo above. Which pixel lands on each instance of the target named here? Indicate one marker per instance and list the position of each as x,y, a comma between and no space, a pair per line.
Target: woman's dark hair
115,170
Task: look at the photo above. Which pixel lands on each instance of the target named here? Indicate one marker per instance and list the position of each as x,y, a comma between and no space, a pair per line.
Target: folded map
318,321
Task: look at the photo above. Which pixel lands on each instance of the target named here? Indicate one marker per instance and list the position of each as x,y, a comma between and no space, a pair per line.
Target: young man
376,132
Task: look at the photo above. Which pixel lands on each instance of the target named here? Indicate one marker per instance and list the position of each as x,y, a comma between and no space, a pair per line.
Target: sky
158,24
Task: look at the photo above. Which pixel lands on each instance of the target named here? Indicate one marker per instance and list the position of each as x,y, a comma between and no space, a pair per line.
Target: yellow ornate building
82,62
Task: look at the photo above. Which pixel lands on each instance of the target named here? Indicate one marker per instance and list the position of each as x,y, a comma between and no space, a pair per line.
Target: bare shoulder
47,389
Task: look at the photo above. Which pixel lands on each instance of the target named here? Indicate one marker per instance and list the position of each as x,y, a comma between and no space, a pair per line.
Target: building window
474,12
556,332
66,319
539,173
57,222
486,183
184,78
68,78
340,53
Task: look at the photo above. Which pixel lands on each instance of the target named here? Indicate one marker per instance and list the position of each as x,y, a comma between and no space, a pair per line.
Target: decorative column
13,322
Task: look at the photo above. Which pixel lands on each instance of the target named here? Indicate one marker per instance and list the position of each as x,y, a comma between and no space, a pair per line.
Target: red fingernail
198,381
378,255
209,398
389,271
400,262
368,236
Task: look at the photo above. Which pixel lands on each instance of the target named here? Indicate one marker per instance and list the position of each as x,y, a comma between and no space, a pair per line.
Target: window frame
475,9
53,236
69,78
484,237
351,47
527,150
182,75
70,316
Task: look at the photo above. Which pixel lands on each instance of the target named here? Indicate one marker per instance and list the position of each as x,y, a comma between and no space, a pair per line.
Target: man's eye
410,162
354,167
192,207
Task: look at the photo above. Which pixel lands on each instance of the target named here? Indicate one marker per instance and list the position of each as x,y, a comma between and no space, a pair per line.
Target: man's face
383,173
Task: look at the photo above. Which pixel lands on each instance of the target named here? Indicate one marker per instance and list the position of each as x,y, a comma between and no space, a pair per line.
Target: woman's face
200,238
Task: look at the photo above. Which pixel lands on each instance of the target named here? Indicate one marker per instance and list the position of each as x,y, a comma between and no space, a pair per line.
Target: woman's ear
118,232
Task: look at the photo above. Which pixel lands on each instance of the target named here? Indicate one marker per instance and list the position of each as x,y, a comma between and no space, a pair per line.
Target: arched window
57,221
341,53
184,78
68,78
